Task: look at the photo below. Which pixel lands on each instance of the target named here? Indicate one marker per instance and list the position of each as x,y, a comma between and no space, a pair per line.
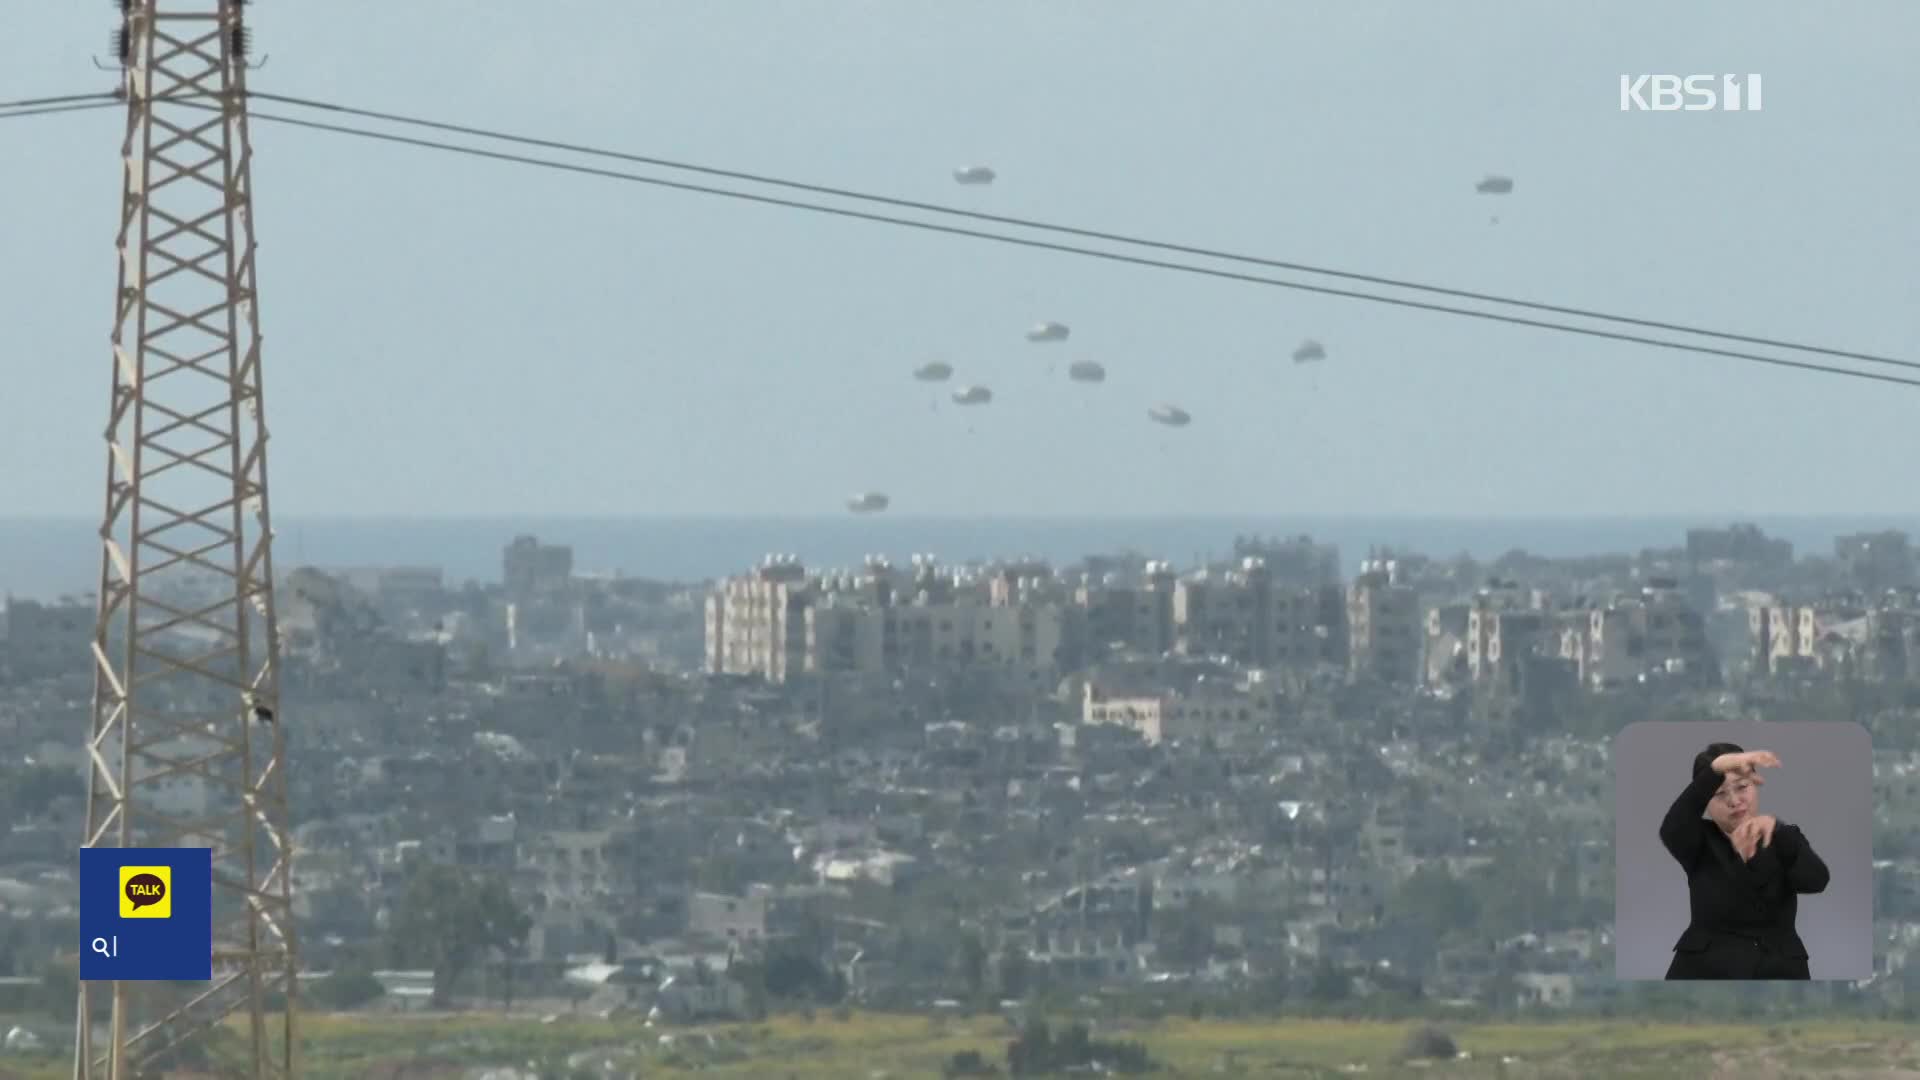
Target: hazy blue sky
448,335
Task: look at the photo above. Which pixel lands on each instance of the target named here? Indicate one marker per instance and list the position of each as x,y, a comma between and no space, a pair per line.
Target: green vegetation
908,1047
1039,1051
448,920
345,990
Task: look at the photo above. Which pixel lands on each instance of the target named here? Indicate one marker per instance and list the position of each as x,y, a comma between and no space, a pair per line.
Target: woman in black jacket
1745,873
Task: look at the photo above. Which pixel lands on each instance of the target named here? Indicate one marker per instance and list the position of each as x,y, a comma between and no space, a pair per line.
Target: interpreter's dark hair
1704,759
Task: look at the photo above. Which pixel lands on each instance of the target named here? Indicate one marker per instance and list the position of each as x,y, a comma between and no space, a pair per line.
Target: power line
1090,234
9,114
1045,226
1110,256
116,96
60,100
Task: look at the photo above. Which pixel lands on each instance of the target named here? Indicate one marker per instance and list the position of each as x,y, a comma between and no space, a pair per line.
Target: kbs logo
1689,93
146,892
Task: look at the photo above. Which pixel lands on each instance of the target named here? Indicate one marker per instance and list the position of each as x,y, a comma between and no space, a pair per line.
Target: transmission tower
185,744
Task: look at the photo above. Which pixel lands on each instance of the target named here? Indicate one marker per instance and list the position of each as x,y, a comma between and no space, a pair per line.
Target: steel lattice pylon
186,746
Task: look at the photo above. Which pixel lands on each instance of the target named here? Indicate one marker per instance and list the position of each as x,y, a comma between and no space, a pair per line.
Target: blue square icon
146,914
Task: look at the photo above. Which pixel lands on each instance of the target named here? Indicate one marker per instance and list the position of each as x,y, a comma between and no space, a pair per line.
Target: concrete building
530,568
41,638
736,920
1838,635
1295,561
1386,637
1874,562
1490,637
1446,645
415,586
778,622
1143,714
1740,544
1655,632
1133,616
1507,639
1245,615
1209,708
756,624
877,624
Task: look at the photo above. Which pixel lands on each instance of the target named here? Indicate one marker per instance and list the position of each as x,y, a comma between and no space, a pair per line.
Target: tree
1039,1052
344,990
793,971
208,1051
972,964
13,946
1271,990
1434,902
1565,889
1032,1052
1330,984
1184,938
968,1063
448,919
1016,974
1428,1042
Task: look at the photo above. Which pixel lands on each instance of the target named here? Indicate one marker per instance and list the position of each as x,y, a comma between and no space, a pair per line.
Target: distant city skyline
37,555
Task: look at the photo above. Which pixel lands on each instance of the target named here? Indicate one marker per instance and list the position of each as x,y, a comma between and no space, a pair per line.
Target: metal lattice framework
185,745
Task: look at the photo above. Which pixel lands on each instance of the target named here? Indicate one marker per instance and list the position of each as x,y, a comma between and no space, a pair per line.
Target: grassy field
902,1047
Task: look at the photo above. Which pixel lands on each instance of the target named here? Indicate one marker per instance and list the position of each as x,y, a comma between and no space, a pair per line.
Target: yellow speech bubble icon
146,892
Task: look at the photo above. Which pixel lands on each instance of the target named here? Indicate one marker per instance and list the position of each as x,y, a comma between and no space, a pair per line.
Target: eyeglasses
1726,795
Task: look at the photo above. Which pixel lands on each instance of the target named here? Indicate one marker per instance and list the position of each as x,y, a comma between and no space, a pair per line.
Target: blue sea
47,557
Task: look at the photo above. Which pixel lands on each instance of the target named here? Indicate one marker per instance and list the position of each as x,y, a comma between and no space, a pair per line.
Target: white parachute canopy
871,502
974,174
1309,351
972,395
1170,415
1086,371
935,371
1048,331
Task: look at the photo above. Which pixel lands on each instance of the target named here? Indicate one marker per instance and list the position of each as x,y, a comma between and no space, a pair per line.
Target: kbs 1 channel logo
1690,93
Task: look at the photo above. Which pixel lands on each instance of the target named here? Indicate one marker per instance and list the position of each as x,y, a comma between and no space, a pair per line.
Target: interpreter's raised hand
1746,764
1753,834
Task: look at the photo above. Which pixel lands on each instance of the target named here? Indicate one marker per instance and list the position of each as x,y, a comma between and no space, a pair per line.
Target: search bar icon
99,945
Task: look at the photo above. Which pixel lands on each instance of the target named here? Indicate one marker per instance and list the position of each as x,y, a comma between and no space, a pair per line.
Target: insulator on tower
123,44
242,40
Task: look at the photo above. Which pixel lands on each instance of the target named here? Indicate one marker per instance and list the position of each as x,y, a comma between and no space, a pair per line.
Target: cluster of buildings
1131,773
780,622
1398,622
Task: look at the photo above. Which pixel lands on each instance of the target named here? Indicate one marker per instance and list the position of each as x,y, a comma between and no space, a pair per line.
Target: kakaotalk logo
146,892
